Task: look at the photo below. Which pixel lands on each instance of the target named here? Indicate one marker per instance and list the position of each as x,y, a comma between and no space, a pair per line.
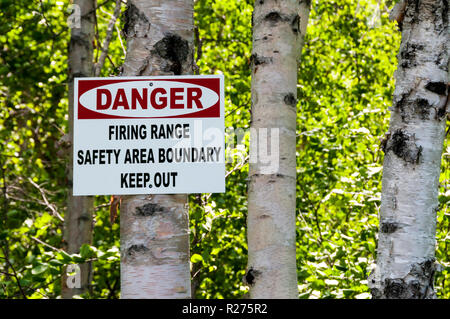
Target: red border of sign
84,85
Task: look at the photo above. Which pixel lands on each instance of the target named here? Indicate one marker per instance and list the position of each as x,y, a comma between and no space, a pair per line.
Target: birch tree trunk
78,219
413,149
278,31
155,228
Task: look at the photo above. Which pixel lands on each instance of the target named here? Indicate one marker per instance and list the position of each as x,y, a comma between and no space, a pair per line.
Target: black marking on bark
84,218
424,274
375,292
394,288
422,107
79,38
273,17
399,143
404,146
143,66
413,289
133,18
442,60
419,154
274,176
290,99
251,276
408,54
437,87
417,284
445,13
415,13
383,143
400,104
439,20
425,268
148,209
136,249
174,49
295,25
389,227
441,111
258,60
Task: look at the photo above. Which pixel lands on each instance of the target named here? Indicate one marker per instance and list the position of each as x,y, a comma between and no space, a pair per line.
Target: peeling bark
155,229
250,276
78,219
278,31
413,148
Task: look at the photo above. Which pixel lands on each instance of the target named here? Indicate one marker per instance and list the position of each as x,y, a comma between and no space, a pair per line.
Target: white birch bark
78,218
413,149
155,229
278,31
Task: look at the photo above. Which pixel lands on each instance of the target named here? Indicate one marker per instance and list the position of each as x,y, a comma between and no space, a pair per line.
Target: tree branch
45,244
50,206
98,66
14,274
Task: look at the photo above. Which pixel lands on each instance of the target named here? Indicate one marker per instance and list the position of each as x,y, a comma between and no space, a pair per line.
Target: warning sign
149,135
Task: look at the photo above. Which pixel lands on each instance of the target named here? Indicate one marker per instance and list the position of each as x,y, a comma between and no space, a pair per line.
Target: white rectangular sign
149,135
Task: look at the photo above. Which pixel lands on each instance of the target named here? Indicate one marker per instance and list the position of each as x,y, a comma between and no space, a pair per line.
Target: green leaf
195,258
86,251
65,257
55,262
39,269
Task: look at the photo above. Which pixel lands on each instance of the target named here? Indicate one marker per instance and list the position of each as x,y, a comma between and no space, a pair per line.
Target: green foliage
218,221
33,118
443,226
345,87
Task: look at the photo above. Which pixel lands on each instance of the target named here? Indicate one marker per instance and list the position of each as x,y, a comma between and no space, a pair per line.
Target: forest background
345,87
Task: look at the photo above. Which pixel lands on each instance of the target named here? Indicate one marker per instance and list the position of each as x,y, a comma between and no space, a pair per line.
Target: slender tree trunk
155,228
78,219
413,149
278,31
